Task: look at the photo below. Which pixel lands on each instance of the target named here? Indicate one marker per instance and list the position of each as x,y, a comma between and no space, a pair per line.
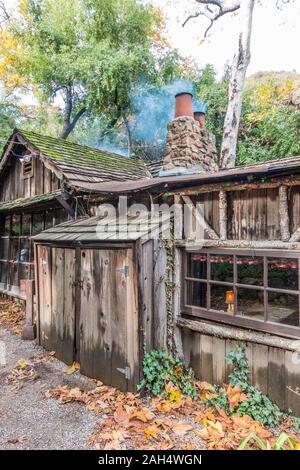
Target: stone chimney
190,147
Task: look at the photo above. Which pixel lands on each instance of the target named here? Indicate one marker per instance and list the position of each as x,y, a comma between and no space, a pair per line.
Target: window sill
280,330
237,334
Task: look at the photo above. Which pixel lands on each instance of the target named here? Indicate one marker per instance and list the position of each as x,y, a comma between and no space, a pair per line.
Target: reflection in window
283,273
48,219
283,308
61,216
250,270
196,293
250,303
218,298
26,225
5,226
3,272
197,266
221,268
4,248
14,249
24,251
16,225
37,223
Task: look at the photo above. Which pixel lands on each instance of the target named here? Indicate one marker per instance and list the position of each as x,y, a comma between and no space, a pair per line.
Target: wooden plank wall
13,186
274,371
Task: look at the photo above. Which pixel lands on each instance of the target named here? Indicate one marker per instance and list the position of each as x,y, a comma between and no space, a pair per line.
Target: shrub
159,368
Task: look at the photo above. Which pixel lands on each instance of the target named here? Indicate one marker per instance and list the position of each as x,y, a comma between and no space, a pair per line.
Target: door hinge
126,372
124,271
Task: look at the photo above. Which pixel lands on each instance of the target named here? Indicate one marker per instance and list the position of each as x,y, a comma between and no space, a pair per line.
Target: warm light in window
229,297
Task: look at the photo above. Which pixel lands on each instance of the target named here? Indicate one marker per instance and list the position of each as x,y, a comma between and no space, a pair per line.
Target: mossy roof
22,203
80,164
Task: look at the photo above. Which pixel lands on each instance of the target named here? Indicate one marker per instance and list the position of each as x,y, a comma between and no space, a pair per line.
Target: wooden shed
93,298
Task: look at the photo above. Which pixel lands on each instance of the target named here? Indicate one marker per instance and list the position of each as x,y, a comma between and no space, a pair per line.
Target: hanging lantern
230,297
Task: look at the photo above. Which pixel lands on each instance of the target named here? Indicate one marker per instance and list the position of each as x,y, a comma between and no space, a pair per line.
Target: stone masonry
189,148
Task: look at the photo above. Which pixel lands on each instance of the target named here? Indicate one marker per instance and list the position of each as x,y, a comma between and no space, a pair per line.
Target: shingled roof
78,164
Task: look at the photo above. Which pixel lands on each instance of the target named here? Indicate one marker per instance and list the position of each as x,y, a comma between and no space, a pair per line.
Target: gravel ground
28,420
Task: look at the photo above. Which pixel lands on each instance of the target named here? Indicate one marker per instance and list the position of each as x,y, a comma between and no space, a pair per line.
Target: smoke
154,108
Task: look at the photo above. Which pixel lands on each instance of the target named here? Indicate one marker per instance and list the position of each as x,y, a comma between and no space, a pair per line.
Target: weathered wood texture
104,324
13,186
254,215
275,371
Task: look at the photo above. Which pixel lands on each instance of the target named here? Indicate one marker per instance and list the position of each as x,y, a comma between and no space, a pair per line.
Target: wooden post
223,214
178,218
29,330
284,214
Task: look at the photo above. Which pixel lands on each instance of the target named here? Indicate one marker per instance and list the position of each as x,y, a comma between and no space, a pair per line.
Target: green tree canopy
85,53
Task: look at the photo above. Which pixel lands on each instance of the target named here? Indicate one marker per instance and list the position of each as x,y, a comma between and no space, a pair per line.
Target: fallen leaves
11,315
172,421
23,371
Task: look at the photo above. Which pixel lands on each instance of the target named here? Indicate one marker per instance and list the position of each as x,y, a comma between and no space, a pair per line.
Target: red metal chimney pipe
184,105
200,117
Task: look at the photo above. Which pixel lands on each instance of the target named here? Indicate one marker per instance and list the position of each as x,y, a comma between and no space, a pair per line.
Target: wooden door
108,323
56,298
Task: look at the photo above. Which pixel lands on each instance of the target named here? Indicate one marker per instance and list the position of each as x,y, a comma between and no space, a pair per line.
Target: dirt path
28,420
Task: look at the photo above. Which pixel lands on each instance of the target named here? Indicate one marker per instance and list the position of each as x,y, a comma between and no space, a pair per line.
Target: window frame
207,313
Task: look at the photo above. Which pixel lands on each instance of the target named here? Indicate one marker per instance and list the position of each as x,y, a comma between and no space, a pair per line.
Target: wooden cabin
40,179
228,272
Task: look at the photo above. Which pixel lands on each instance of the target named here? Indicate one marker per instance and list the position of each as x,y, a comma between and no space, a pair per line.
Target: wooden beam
268,244
223,214
229,187
284,213
238,334
201,219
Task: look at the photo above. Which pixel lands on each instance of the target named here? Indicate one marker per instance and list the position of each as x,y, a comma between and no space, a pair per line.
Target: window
261,292
27,167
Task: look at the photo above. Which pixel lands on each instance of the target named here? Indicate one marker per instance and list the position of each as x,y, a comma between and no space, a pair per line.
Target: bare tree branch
4,15
213,10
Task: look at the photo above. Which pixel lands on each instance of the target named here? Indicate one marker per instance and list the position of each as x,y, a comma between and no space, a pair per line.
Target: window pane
14,274
16,225
221,268
5,226
250,270
283,308
218,298
4,248
197,266
24,250
250,303
37,223
24,270
61,216
14,249
196,293
49,219
283,273
3,272
26,224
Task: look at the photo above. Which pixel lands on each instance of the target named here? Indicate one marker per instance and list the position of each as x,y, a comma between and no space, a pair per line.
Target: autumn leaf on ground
121,417
181,428
73,368
235,396
144,415
21,364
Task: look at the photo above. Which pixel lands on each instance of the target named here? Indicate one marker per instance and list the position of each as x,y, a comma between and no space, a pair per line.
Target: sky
275,38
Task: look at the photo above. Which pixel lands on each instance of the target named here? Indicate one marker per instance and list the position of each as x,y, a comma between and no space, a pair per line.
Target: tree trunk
236,87
69,123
